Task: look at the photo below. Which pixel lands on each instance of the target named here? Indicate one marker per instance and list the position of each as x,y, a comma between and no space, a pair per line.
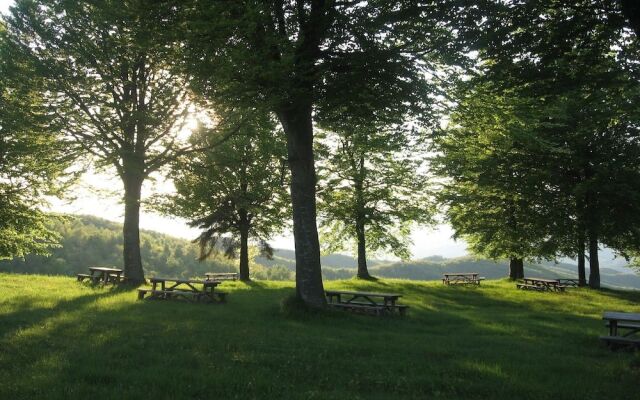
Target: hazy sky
4,5
97,194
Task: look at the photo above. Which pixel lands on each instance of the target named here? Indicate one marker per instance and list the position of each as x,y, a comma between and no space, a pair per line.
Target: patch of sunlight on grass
484,368
61,339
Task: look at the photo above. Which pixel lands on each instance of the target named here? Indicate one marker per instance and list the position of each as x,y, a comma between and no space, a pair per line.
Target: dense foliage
373,190
33,158
542,150
234,191
111,87
304,60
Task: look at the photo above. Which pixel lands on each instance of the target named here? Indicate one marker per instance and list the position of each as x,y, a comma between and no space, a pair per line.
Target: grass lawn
60,339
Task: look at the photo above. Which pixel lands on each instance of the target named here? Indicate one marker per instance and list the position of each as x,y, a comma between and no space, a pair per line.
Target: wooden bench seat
531,287
143,292
165,294
401,308
187,294
82,277
621,341
377,310
625,325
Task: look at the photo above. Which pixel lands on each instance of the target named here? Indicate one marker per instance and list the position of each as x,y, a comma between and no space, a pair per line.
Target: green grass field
60,339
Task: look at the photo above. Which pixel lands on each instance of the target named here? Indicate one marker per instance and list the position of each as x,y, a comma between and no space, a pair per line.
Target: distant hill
88,240
432,268
287,258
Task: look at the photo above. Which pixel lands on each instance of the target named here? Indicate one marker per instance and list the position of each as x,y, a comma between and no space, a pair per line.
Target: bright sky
4,5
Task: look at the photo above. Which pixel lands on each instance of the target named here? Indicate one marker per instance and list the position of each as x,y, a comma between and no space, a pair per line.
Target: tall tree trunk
516,268
594,264
244,247
131,231
297,124
363,271
582,276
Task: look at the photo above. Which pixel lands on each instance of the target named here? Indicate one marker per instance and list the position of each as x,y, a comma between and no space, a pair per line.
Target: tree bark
516,268
298,127
244,247
582,276
594,264
131,230
363,271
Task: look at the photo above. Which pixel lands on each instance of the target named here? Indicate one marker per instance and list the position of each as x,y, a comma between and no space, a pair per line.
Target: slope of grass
60,339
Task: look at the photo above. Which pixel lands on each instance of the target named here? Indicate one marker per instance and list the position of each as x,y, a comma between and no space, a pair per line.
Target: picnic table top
621,316
368,294
104,269
459,273
554,281
177,280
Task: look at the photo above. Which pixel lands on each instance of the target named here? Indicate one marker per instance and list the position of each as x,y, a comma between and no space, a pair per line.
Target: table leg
613,327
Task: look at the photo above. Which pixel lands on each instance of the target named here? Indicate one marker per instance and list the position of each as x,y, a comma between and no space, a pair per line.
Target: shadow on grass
455,343
26,310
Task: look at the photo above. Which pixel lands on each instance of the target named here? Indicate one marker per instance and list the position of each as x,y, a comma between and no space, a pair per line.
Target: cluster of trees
538,159
33,156
542,150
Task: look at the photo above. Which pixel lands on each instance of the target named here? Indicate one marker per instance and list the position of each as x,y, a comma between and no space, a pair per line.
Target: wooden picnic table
102,275
541,284
624,328
222,276
189,289
462,278
376,303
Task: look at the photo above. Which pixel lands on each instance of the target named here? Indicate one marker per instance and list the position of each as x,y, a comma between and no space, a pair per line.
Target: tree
33,157
112,88
492,173
574,63
234,188
301,58
373,189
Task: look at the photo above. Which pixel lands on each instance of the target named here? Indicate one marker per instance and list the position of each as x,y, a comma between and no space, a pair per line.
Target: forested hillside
88,240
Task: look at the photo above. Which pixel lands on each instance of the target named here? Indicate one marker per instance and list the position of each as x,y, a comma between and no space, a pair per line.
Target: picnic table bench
568,282
189,289
102,275
222,276
624,328
365,302
542,285
461,278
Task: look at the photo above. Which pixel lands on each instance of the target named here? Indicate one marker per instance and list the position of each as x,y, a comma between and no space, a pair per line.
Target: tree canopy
373,190
34,160
233,191
300,59
112,88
